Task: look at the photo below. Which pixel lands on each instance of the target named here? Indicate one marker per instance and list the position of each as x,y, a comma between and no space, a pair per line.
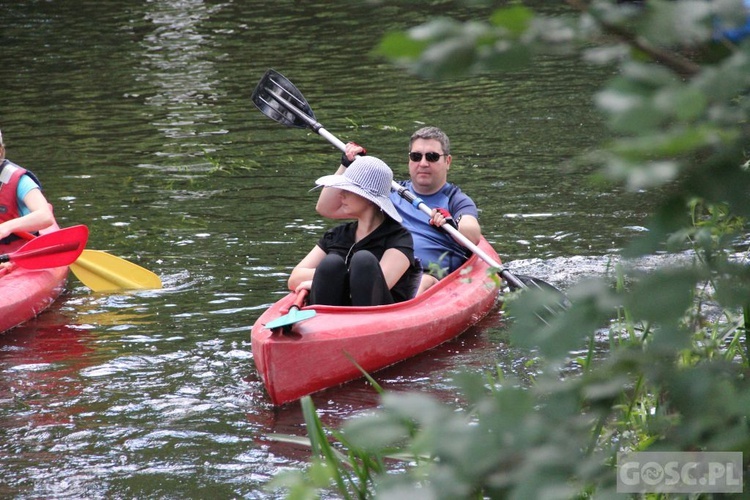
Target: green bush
674,378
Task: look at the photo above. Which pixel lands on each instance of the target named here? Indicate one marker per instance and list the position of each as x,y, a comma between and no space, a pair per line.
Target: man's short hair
432,133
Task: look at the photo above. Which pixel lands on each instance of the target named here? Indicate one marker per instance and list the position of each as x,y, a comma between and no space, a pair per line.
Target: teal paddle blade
293,316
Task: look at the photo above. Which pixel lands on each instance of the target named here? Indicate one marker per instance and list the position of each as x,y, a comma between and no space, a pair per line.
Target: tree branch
672,60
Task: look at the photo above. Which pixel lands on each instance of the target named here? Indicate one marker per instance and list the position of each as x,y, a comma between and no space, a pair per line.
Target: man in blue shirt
429,162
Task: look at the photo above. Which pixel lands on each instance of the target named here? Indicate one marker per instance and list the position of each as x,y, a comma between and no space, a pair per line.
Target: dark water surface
137,117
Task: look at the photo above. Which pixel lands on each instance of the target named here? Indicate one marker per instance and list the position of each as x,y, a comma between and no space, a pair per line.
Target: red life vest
10,175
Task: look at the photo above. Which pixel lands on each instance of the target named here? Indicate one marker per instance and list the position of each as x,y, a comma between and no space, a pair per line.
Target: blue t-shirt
430,243
25,184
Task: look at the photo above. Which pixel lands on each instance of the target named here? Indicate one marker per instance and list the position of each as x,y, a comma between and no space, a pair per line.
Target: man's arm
469,227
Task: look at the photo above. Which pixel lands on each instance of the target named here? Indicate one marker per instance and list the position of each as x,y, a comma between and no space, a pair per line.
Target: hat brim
341,182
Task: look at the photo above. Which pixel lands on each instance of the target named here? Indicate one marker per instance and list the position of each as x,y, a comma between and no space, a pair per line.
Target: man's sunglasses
431,157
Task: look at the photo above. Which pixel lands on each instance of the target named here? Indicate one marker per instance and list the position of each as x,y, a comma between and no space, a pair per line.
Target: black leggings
363,284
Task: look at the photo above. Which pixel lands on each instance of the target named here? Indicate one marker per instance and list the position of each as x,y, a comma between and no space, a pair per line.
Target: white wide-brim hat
368,177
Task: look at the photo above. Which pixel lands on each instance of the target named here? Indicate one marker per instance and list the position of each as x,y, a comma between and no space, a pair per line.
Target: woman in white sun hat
369,261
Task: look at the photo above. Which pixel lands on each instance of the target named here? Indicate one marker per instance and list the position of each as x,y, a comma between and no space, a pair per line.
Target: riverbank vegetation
675,375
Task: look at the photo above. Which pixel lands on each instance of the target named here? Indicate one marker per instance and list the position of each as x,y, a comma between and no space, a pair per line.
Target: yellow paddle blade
103,272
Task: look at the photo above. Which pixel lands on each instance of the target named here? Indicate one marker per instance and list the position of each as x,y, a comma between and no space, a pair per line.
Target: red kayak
317,352
24,293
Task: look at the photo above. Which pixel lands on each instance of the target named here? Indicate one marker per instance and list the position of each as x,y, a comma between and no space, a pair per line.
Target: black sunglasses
431,157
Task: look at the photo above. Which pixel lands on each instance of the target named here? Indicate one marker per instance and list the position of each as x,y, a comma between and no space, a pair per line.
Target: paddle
277,98
103,272
56,249
293,316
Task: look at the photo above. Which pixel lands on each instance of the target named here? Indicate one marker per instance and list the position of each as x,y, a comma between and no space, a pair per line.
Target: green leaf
375,433
683,23
400,46
420,408
663,296
471,384
451,58
593,302
733,288
669,218
684,103
638,174
512,57
645,75
515,19
440,29
727,80
638,119
673,142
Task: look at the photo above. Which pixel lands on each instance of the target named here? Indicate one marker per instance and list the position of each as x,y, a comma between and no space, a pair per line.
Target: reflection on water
178,68
137,117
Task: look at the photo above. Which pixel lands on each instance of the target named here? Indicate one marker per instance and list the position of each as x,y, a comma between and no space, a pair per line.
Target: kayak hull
324,351
27,292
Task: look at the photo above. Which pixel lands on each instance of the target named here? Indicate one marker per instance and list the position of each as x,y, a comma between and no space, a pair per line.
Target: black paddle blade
273,90
536,283
559,301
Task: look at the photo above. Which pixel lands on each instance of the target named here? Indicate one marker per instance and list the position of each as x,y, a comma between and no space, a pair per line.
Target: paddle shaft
20,256
410,197
300,300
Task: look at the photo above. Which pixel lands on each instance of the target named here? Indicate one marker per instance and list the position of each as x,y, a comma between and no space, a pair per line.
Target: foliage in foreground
675,375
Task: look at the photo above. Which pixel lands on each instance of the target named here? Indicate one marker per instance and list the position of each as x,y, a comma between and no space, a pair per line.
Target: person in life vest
429,162
23,207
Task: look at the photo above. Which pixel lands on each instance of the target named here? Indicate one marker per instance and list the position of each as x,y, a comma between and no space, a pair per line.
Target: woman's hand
350,154
305,285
